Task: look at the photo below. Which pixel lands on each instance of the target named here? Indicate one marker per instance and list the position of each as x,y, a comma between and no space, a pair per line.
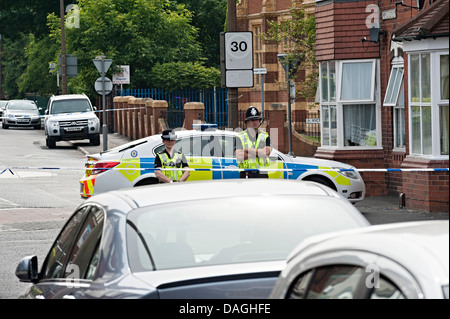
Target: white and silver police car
210,154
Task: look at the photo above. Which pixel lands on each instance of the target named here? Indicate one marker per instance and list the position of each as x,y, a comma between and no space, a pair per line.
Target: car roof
21,100
402,241
196,190
69,97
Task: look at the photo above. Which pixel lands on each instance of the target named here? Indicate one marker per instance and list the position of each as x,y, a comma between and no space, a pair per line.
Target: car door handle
68,297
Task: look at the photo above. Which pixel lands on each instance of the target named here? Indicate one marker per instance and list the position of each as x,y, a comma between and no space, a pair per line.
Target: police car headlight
350,173
11,116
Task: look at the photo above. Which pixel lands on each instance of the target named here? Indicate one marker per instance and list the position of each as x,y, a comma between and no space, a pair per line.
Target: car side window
300,286
386,290
86,244
59,254
335,282
75,248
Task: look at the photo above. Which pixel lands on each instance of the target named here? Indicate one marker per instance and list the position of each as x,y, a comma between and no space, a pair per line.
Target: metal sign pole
262,98
104,127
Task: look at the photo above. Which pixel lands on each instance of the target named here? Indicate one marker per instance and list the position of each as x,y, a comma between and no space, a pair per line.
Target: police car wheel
147,181
320,180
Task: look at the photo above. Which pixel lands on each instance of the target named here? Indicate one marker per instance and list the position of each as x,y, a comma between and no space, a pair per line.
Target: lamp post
290,66
63,49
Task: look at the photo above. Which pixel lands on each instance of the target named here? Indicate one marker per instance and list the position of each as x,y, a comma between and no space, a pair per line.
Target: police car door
200,154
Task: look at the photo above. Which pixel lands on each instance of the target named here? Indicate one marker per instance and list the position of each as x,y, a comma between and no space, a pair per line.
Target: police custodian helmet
168,135
252,113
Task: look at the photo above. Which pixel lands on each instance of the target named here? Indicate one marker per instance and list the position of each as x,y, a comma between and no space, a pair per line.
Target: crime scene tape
97,111
11,169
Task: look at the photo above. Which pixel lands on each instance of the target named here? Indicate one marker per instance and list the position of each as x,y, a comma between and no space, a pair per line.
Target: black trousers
253,174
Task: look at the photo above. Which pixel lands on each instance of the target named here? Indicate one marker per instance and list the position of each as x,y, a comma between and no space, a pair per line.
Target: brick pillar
148,114
194,112
139,106
159,108
426,191
127,116
117,106
276,128
131,129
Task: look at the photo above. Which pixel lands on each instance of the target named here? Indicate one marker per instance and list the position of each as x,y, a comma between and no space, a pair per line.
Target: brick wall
339,29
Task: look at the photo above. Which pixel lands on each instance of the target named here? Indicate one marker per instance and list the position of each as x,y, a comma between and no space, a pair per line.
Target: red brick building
383,89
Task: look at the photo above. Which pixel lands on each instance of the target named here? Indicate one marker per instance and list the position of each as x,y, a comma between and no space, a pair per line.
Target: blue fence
214,99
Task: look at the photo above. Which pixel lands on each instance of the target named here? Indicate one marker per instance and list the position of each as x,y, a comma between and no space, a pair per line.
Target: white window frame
394,98
434,104
326,106
375,98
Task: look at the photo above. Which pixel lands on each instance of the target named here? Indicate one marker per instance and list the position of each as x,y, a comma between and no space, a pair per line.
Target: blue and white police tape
96,111
133,167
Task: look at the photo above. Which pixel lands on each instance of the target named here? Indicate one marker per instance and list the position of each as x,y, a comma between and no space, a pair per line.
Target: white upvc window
429,103
444,103
328,103
395,97
350,99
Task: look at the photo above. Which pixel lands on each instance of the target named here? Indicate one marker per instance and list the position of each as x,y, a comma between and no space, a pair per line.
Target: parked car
70,117
2,107
211,151
24,113
407,260
204,239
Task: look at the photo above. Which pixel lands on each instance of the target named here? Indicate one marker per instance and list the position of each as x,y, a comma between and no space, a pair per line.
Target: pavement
379,209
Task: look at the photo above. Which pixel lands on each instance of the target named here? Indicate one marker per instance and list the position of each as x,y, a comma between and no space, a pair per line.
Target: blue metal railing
214,99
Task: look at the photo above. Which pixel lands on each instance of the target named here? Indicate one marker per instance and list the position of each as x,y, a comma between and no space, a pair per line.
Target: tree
177,75
38,54
140,33
297,33
20,21
209,17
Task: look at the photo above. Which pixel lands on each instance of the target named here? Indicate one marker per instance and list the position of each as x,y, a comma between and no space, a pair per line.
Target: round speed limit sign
238,50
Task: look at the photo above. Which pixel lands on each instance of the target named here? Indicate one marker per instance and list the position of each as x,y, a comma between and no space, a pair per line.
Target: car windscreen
21,106
230,230
70,106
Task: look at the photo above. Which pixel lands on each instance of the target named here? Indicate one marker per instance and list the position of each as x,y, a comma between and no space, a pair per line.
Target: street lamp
290,65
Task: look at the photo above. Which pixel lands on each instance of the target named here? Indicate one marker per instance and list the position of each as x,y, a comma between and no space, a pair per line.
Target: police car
210,154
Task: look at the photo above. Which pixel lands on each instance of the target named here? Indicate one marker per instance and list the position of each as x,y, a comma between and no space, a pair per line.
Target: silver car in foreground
407,260
206,239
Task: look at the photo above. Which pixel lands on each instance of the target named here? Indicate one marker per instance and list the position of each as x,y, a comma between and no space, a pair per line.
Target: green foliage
140,33
177,75
209,18
13,65
297,35
37,53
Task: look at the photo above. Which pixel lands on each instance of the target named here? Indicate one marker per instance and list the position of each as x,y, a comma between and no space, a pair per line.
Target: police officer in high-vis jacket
253,146
167,158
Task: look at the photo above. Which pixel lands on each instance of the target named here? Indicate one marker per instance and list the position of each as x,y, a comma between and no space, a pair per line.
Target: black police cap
168,135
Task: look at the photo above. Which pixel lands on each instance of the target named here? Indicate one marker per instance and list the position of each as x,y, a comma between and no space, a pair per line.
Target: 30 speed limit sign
238,50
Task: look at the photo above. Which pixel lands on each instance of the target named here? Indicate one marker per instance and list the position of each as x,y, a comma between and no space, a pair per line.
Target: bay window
429,128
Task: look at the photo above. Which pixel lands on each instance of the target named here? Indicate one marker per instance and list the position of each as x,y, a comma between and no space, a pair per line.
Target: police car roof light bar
204,126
